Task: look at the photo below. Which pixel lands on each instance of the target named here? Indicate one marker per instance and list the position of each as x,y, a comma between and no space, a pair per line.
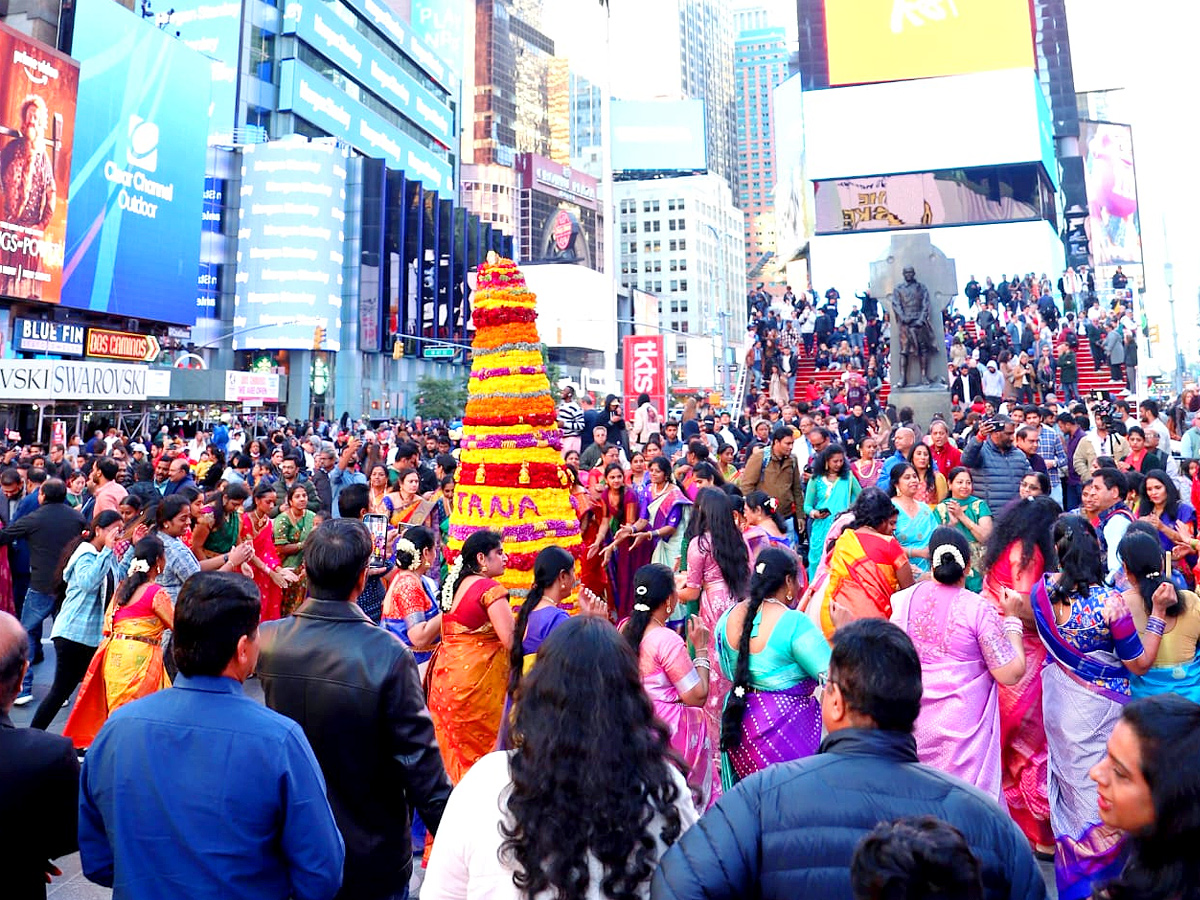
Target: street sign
439,352
122,345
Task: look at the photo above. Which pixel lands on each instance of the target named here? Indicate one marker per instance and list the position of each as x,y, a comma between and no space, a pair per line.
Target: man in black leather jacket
790,830
354,690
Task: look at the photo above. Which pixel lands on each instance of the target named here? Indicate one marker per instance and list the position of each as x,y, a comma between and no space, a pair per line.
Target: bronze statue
914,312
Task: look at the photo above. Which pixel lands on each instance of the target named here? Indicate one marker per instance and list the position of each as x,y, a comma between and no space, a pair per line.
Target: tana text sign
290,245
645,370
895,40
38,336
252,386
44,379
319,25
314,98
137,176
122,345
37,130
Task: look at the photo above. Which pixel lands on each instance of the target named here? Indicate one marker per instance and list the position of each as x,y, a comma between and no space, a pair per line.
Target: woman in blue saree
830,491
1093,648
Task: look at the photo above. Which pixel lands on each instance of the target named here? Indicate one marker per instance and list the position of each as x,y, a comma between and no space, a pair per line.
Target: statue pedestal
925,402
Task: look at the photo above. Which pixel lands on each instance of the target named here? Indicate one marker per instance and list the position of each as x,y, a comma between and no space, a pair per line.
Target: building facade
682,239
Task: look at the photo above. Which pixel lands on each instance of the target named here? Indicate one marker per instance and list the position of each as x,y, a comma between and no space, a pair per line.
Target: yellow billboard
895,40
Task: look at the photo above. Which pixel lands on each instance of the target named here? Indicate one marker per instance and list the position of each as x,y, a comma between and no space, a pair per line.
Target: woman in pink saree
965,650
677,686
1018,553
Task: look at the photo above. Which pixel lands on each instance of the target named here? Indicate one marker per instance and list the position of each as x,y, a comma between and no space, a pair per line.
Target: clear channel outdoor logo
142,151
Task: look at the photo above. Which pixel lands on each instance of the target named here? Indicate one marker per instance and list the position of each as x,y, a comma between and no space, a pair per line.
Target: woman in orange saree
865,566
468,675
409,507
129,661
1016,558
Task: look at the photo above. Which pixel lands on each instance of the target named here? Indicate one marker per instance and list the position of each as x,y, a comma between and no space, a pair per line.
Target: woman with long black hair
1147,788
776,655
87,577
589,801
718,575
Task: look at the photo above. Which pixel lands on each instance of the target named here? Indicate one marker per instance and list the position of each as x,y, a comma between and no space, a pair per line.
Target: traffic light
1154,336
397,349
318,337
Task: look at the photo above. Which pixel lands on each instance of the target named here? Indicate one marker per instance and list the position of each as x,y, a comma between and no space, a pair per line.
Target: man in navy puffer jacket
789,831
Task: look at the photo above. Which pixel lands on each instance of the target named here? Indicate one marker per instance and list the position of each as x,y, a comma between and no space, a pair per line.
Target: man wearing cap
992,381
996,465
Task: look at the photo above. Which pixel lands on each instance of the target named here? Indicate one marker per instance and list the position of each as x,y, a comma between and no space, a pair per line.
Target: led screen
290,245
37,130
658,135
1114,230
894,40
214,29
137,176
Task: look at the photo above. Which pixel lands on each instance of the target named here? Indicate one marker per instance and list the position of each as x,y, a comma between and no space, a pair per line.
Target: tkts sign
645,371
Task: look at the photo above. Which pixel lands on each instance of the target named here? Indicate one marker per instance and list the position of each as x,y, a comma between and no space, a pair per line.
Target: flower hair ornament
943,550
641,607
404,545
760,568
642,590
450,584
139,566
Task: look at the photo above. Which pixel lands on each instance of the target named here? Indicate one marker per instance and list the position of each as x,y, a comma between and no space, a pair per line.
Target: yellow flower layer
500,300
510,406
547,455
510,359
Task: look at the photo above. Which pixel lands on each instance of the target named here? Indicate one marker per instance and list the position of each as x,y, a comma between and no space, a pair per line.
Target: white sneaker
23,698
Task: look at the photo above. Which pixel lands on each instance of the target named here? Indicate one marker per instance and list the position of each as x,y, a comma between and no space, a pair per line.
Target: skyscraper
760,65
681,49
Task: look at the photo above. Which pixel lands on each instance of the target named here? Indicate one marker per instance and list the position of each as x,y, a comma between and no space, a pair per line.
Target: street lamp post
1169,278
722,313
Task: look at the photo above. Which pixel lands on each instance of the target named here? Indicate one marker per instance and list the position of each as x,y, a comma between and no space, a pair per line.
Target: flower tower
511,476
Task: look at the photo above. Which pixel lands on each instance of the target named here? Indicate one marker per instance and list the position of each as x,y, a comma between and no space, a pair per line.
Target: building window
683,285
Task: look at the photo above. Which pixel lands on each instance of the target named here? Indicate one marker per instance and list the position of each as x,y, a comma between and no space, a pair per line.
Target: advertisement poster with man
38,87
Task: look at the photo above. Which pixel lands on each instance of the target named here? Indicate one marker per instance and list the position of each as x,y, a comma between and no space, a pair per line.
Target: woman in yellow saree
468,675
129,661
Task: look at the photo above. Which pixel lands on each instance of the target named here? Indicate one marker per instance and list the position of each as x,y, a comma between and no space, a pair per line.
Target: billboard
917,126
37,130
212,28
658,135
137,175
895,40
645,370
925,199
312,97
1114,229
447,26
290,245
317,25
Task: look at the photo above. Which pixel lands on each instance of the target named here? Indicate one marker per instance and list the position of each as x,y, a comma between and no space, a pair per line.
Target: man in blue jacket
790,830
996,465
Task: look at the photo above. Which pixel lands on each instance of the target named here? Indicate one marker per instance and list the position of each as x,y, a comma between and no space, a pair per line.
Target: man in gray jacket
1114,347
996,465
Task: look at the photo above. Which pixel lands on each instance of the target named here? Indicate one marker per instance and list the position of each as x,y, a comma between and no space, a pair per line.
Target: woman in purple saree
1093,646
775,654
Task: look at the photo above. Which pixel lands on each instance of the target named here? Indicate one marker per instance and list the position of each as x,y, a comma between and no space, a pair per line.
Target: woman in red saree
269,576
865,566
1016,559
468,675
586,500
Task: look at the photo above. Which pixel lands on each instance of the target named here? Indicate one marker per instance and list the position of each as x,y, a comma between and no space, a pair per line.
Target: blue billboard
318,25
212,28
137,174
446,26
658,135
312,97
291,241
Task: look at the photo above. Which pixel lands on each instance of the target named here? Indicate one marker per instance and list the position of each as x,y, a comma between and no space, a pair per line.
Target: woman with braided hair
776,655
677,686
410,608
965,649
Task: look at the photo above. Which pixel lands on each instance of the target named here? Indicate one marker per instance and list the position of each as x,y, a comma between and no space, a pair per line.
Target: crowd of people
821,649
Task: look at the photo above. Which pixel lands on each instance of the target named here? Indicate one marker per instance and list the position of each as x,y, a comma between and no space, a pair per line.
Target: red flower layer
500,421
503,316
541,475
523,562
